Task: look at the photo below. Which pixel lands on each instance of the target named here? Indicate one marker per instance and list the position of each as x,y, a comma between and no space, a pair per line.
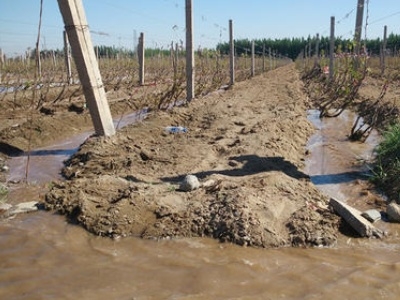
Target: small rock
24,208
233,163
5,168
393,212
190,183
4,207
211,185
145,155
372,215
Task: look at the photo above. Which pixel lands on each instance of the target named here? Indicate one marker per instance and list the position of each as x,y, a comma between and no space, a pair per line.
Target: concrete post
316,49
1,62
231,54
384,43
270,58
332,49
358,27
88,70
67,56
253,67
189,52
141,58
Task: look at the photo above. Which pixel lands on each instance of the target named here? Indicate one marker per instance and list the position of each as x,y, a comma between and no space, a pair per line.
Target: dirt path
246,146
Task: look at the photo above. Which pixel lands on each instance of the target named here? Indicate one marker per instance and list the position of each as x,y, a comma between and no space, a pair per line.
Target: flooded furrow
43,165
337,166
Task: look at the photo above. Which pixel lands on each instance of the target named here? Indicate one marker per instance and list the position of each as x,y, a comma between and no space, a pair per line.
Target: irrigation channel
44,257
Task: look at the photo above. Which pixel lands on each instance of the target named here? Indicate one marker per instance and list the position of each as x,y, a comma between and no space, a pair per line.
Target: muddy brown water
44,257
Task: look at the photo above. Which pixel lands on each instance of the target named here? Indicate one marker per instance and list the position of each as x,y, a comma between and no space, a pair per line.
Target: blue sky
114,22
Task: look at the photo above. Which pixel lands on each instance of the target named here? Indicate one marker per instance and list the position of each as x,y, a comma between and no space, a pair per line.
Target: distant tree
293,47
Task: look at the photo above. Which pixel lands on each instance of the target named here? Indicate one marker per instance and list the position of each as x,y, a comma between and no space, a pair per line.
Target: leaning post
88,70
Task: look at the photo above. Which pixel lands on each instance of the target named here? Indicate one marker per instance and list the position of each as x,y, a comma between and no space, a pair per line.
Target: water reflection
335,164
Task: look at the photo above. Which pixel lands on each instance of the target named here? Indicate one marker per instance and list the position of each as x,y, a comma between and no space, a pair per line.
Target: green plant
386,171
3,193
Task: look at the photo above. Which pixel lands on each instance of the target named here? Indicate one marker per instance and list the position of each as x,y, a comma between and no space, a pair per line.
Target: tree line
289,47
293,47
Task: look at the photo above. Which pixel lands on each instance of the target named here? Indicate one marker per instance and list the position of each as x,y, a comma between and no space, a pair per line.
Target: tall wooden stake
189,52
88,69
231,54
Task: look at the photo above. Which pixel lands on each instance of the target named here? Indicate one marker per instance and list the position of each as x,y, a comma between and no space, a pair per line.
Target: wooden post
88,69
53,55
358,27
332,49
135,44
171,51
38,58
189,52
1,63
383,51
253,67
231,54
316,50
306,52
263,58
96,49
270,58
67,56
141,58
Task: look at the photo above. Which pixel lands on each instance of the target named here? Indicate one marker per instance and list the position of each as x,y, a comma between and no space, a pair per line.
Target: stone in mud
353,217
372,215
190,183
24,208
4,207
393,212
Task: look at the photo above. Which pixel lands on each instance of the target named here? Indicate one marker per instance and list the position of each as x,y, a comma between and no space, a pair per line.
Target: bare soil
247,146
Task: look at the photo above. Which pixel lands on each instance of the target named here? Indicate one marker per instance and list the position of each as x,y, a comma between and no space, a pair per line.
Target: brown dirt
246,144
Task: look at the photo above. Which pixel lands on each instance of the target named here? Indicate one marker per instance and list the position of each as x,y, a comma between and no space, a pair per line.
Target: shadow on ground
252,164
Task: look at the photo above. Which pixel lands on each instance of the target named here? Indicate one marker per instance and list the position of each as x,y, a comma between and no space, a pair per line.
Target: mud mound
247,145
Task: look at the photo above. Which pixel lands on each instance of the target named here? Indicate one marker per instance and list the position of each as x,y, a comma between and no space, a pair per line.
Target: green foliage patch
386,172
